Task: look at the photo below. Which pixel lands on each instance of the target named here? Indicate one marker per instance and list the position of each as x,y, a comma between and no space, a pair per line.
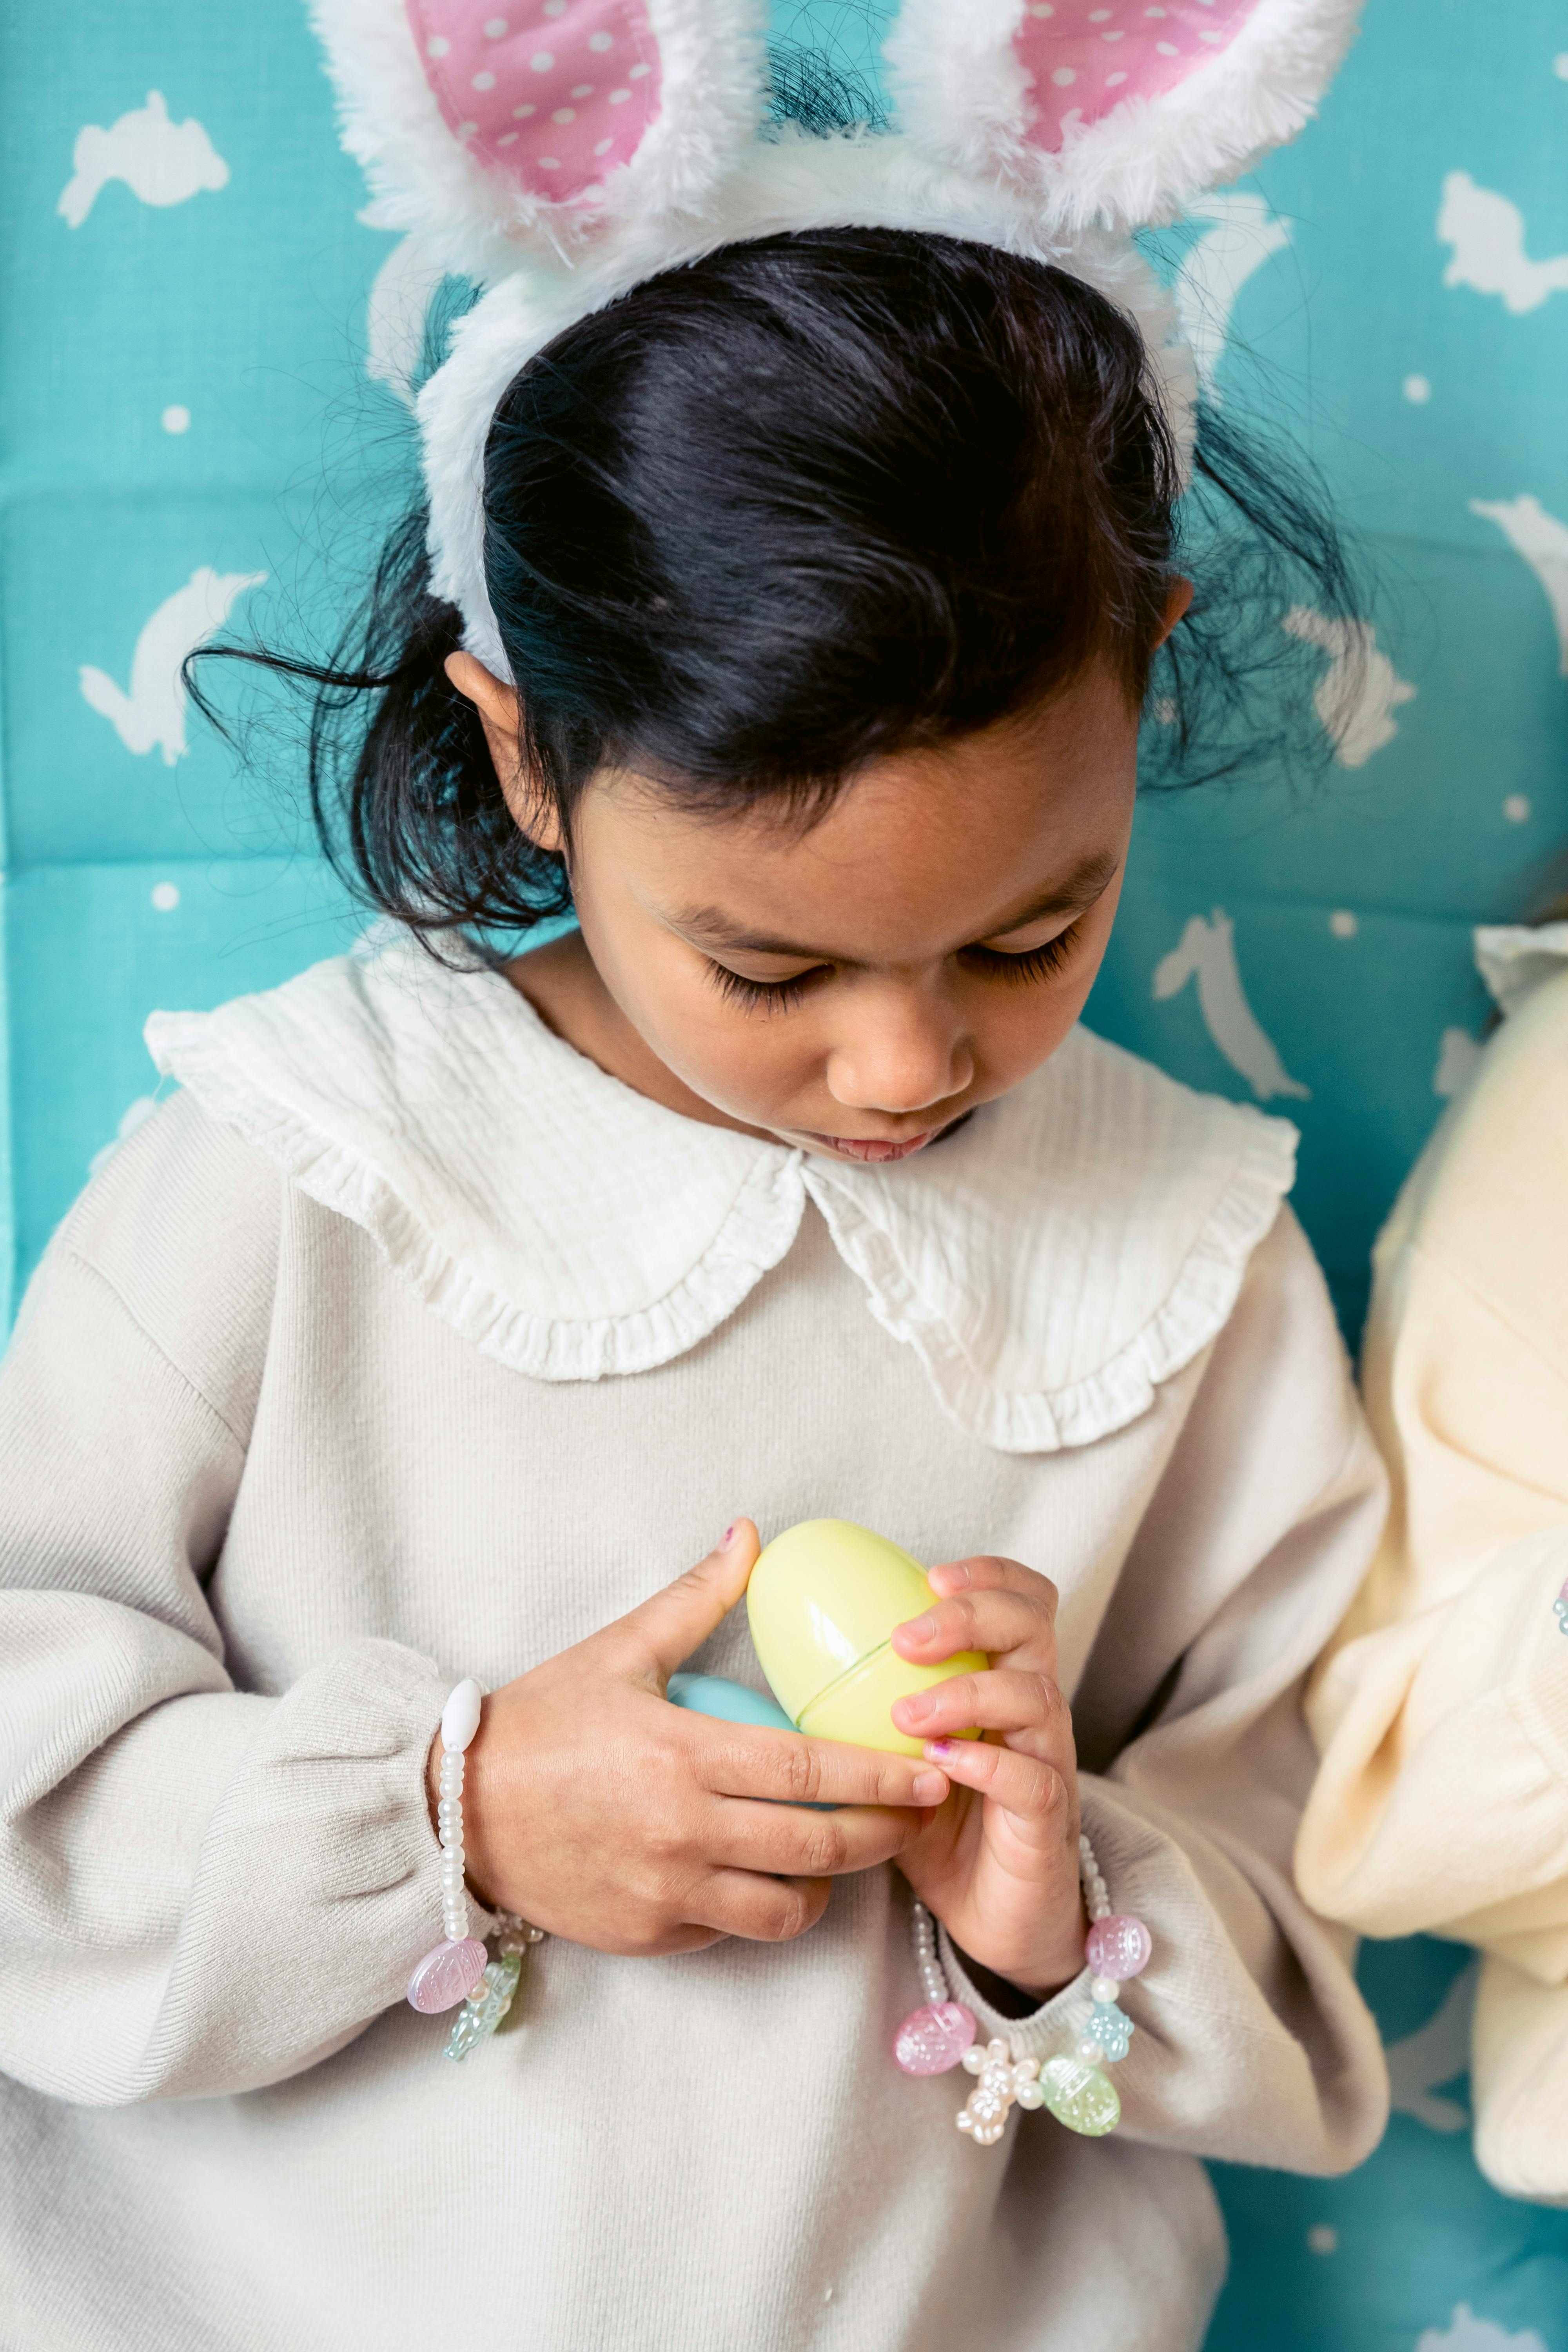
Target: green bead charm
486,2005
1079,2096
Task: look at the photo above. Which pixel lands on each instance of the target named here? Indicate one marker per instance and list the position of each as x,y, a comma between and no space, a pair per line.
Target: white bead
460,1715
1104,1988
1091,2051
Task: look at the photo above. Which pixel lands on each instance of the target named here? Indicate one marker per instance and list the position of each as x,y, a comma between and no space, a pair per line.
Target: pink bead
1119,1946
447,1975
933,2039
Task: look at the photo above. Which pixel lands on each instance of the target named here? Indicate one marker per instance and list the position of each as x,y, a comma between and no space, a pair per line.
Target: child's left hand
997,1864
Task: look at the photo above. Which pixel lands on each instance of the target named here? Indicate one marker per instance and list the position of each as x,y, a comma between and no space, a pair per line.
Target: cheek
732,1056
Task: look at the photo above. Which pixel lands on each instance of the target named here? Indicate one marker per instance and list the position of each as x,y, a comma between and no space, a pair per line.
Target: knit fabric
260,1507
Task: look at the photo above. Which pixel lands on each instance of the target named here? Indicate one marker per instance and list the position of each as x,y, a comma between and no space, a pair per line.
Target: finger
664,1630
1006,1699
735,1760
989,1571
763,1910
790,1842
1040,1799
1000,1624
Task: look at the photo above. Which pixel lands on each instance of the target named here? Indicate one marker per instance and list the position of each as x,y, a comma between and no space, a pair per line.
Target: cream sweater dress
404,1344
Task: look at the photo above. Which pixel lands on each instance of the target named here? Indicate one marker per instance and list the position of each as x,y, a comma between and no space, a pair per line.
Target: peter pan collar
1051,1262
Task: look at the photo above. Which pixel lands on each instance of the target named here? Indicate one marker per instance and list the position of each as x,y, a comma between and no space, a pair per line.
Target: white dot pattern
1082,61
478,67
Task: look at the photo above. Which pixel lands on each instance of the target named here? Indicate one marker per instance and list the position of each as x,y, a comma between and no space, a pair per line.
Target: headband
559,152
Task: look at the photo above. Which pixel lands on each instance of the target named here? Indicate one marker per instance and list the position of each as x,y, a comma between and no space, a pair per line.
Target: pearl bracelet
941,2034
459,1968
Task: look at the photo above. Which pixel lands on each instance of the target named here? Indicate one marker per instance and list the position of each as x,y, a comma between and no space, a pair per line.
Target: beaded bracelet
941,2034
459,1968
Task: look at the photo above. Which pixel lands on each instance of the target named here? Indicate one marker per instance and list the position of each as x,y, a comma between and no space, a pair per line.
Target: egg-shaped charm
1079,2095
823,1602
1119,1946
934,2038
447,1975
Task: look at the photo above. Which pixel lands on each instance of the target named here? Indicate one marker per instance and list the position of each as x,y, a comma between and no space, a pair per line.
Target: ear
1176,603
499,715
1114,112
495,127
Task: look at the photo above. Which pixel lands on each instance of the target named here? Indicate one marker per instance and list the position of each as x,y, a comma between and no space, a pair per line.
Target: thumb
668,1627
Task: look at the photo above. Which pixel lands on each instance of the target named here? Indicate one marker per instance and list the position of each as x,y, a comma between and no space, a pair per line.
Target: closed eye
763,996
1052,956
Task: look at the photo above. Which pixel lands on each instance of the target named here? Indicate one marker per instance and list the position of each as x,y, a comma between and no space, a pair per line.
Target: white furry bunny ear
1113,112
495,127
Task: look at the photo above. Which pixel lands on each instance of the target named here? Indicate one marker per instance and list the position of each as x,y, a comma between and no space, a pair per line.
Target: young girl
454,1304
1443,1707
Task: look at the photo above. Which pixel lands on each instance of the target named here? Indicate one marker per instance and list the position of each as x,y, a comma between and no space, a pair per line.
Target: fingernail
916,1707
943,1747
954,1576
930,1787
920,1629
727,1538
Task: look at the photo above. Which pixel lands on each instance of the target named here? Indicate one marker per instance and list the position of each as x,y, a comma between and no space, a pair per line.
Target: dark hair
812,499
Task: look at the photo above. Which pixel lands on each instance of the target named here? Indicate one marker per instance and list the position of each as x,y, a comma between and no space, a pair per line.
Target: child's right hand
597,1811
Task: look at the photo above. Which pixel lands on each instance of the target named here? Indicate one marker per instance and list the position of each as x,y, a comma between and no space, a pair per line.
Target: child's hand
998,1865
597,1811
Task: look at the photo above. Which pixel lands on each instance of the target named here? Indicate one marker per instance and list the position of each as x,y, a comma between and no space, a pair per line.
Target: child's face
858,986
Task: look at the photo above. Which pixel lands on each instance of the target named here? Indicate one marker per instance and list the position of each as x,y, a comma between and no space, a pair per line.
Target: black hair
813,500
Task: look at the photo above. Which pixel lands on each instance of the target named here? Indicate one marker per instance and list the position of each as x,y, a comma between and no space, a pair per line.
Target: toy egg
823,1602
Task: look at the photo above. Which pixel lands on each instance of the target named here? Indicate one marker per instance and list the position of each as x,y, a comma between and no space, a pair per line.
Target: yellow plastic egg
823,1602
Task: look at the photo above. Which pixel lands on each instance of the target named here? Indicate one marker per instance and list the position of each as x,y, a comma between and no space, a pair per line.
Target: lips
851,1147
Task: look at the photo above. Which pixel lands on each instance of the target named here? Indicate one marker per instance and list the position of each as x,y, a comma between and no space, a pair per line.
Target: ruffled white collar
1051,1262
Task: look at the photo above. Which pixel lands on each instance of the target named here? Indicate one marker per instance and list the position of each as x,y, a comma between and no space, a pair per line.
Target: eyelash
761,995
780,995
1035,963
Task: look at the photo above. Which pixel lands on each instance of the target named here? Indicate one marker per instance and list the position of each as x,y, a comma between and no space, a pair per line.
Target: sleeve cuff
1052,2031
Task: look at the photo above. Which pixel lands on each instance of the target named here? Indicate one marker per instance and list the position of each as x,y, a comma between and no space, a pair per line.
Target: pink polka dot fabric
550,93
1085,57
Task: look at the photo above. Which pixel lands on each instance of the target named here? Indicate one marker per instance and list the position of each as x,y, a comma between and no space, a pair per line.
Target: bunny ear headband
561,152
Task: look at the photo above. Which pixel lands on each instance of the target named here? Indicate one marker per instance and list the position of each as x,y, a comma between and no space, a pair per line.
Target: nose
901,1050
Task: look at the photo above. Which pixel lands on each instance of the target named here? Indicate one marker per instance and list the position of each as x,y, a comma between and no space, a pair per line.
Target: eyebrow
710,926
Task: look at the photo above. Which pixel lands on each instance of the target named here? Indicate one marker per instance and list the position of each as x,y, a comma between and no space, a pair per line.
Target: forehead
919,849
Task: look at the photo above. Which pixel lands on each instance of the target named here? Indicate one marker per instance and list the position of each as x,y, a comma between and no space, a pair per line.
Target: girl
801,639
1443,1707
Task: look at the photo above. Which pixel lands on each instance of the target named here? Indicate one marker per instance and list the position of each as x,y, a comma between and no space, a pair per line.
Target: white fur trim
477,222
795,182
961,92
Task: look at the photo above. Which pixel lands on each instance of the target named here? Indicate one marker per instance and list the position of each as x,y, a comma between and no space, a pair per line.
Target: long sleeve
1250,2042
1442,1707
202,1888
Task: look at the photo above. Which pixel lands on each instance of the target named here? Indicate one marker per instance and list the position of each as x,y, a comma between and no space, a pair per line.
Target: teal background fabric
191,427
